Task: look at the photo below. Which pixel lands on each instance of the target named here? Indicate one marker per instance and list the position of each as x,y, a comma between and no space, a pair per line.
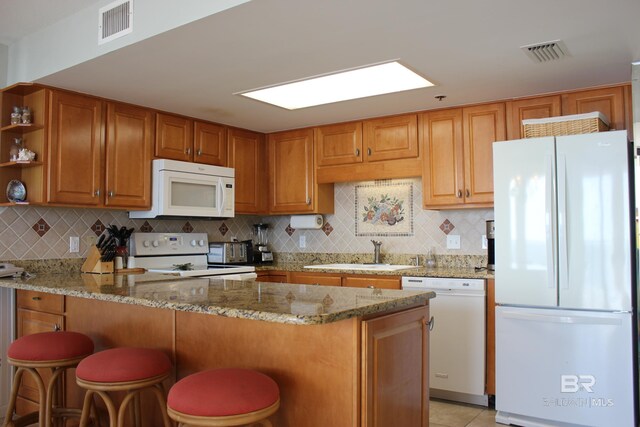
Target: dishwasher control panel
434,283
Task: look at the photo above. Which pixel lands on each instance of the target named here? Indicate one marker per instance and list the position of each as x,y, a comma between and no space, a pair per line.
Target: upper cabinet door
482,126
174,137
210,143
339,144
248,156
76,146
532,108
609,101
391,138
128,152
291,171
443,174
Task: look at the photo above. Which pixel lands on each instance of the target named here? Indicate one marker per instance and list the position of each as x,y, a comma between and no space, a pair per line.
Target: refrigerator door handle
549,222
575,320
563,266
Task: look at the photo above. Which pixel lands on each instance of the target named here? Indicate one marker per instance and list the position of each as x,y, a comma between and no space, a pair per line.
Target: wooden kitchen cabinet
368,281
458,155
209,143
339,144
609,101
272,276
75,150
400,340
129,139
323,279
34,138
36,312
247,154
292,182
539,107
391,138
174,137
181,138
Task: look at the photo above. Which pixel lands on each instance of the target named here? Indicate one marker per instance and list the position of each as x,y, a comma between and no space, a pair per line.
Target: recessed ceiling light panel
377,79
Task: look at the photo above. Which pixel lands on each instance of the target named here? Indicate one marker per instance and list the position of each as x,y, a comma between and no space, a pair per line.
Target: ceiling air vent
545,52
115,20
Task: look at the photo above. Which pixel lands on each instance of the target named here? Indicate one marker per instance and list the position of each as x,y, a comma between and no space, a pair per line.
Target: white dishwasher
457,341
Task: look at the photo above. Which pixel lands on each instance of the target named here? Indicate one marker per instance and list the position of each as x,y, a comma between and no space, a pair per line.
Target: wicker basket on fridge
566,125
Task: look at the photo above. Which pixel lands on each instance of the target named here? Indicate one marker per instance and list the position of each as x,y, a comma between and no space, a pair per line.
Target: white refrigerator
566,321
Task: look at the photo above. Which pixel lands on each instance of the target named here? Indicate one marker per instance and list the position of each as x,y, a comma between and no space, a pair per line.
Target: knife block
93,264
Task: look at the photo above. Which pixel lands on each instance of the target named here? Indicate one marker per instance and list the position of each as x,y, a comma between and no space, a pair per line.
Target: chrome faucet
376,251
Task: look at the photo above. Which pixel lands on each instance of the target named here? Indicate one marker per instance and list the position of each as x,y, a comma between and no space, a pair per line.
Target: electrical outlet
302,242
453,241
74,244
485,242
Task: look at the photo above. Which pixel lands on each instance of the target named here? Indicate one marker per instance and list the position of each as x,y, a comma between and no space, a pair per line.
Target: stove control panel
156,244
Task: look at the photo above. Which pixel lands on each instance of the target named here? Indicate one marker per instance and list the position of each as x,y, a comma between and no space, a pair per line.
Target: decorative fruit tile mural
29,232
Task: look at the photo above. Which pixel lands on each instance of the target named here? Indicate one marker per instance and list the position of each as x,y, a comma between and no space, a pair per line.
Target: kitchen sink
366,266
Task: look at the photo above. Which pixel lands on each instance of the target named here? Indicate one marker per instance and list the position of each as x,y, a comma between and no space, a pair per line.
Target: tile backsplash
43,233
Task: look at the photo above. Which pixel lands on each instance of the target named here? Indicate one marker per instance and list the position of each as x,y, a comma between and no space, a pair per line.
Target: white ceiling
470,49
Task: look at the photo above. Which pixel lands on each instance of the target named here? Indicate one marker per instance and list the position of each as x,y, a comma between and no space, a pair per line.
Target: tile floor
448,414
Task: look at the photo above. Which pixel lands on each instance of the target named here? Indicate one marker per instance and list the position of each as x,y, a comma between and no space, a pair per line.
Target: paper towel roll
311,222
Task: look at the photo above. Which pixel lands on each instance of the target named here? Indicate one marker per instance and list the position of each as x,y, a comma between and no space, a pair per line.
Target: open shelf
21,128
20,164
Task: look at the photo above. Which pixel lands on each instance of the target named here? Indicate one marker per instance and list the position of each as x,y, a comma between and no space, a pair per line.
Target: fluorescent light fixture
352,84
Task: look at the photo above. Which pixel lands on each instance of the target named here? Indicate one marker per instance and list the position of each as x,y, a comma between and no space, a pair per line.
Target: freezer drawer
564,366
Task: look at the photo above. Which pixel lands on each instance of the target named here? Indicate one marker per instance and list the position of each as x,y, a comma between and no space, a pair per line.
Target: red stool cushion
223,392
123,364
50,346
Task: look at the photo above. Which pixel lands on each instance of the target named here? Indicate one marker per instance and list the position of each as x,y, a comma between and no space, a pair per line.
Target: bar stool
57,351
223,397
123,369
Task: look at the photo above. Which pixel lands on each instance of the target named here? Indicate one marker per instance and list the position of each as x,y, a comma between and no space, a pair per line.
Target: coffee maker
261,252
491,245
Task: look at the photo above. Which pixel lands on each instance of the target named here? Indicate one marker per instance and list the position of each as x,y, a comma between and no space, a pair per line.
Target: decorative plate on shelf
16,191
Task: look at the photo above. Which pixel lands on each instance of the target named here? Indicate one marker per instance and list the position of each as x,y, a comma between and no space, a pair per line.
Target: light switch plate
453,241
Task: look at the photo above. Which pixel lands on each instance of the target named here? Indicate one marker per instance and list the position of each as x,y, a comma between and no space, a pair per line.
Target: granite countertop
447,272
273,302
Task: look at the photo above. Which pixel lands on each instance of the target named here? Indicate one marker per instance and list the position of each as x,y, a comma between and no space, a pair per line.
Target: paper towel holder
307,222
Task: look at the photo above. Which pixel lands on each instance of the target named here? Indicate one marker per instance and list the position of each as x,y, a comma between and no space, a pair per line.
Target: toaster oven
227,253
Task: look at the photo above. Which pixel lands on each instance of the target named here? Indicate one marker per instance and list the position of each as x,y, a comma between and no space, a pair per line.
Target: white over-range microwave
184,189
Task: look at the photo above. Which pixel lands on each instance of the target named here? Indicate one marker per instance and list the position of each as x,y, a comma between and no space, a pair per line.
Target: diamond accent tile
98,227
327,228
289,230
146,227
187,228
41,227
223,229
447,227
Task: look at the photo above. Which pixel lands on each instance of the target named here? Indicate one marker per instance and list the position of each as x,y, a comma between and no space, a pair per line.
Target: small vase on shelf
14,149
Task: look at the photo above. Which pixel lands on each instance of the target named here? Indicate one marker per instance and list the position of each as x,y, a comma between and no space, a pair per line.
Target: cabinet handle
431,323
56,327
467,194
97,193
308,200
459,194
357,152
36,298
369,151
188,151
111,194
199,152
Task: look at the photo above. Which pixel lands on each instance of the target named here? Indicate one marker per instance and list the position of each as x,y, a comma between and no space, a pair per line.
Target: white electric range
183,254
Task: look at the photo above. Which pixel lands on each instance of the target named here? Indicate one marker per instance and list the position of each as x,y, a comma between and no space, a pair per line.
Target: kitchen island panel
111,324
317,367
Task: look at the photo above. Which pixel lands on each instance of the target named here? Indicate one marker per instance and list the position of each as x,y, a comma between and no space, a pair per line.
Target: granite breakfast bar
341,356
